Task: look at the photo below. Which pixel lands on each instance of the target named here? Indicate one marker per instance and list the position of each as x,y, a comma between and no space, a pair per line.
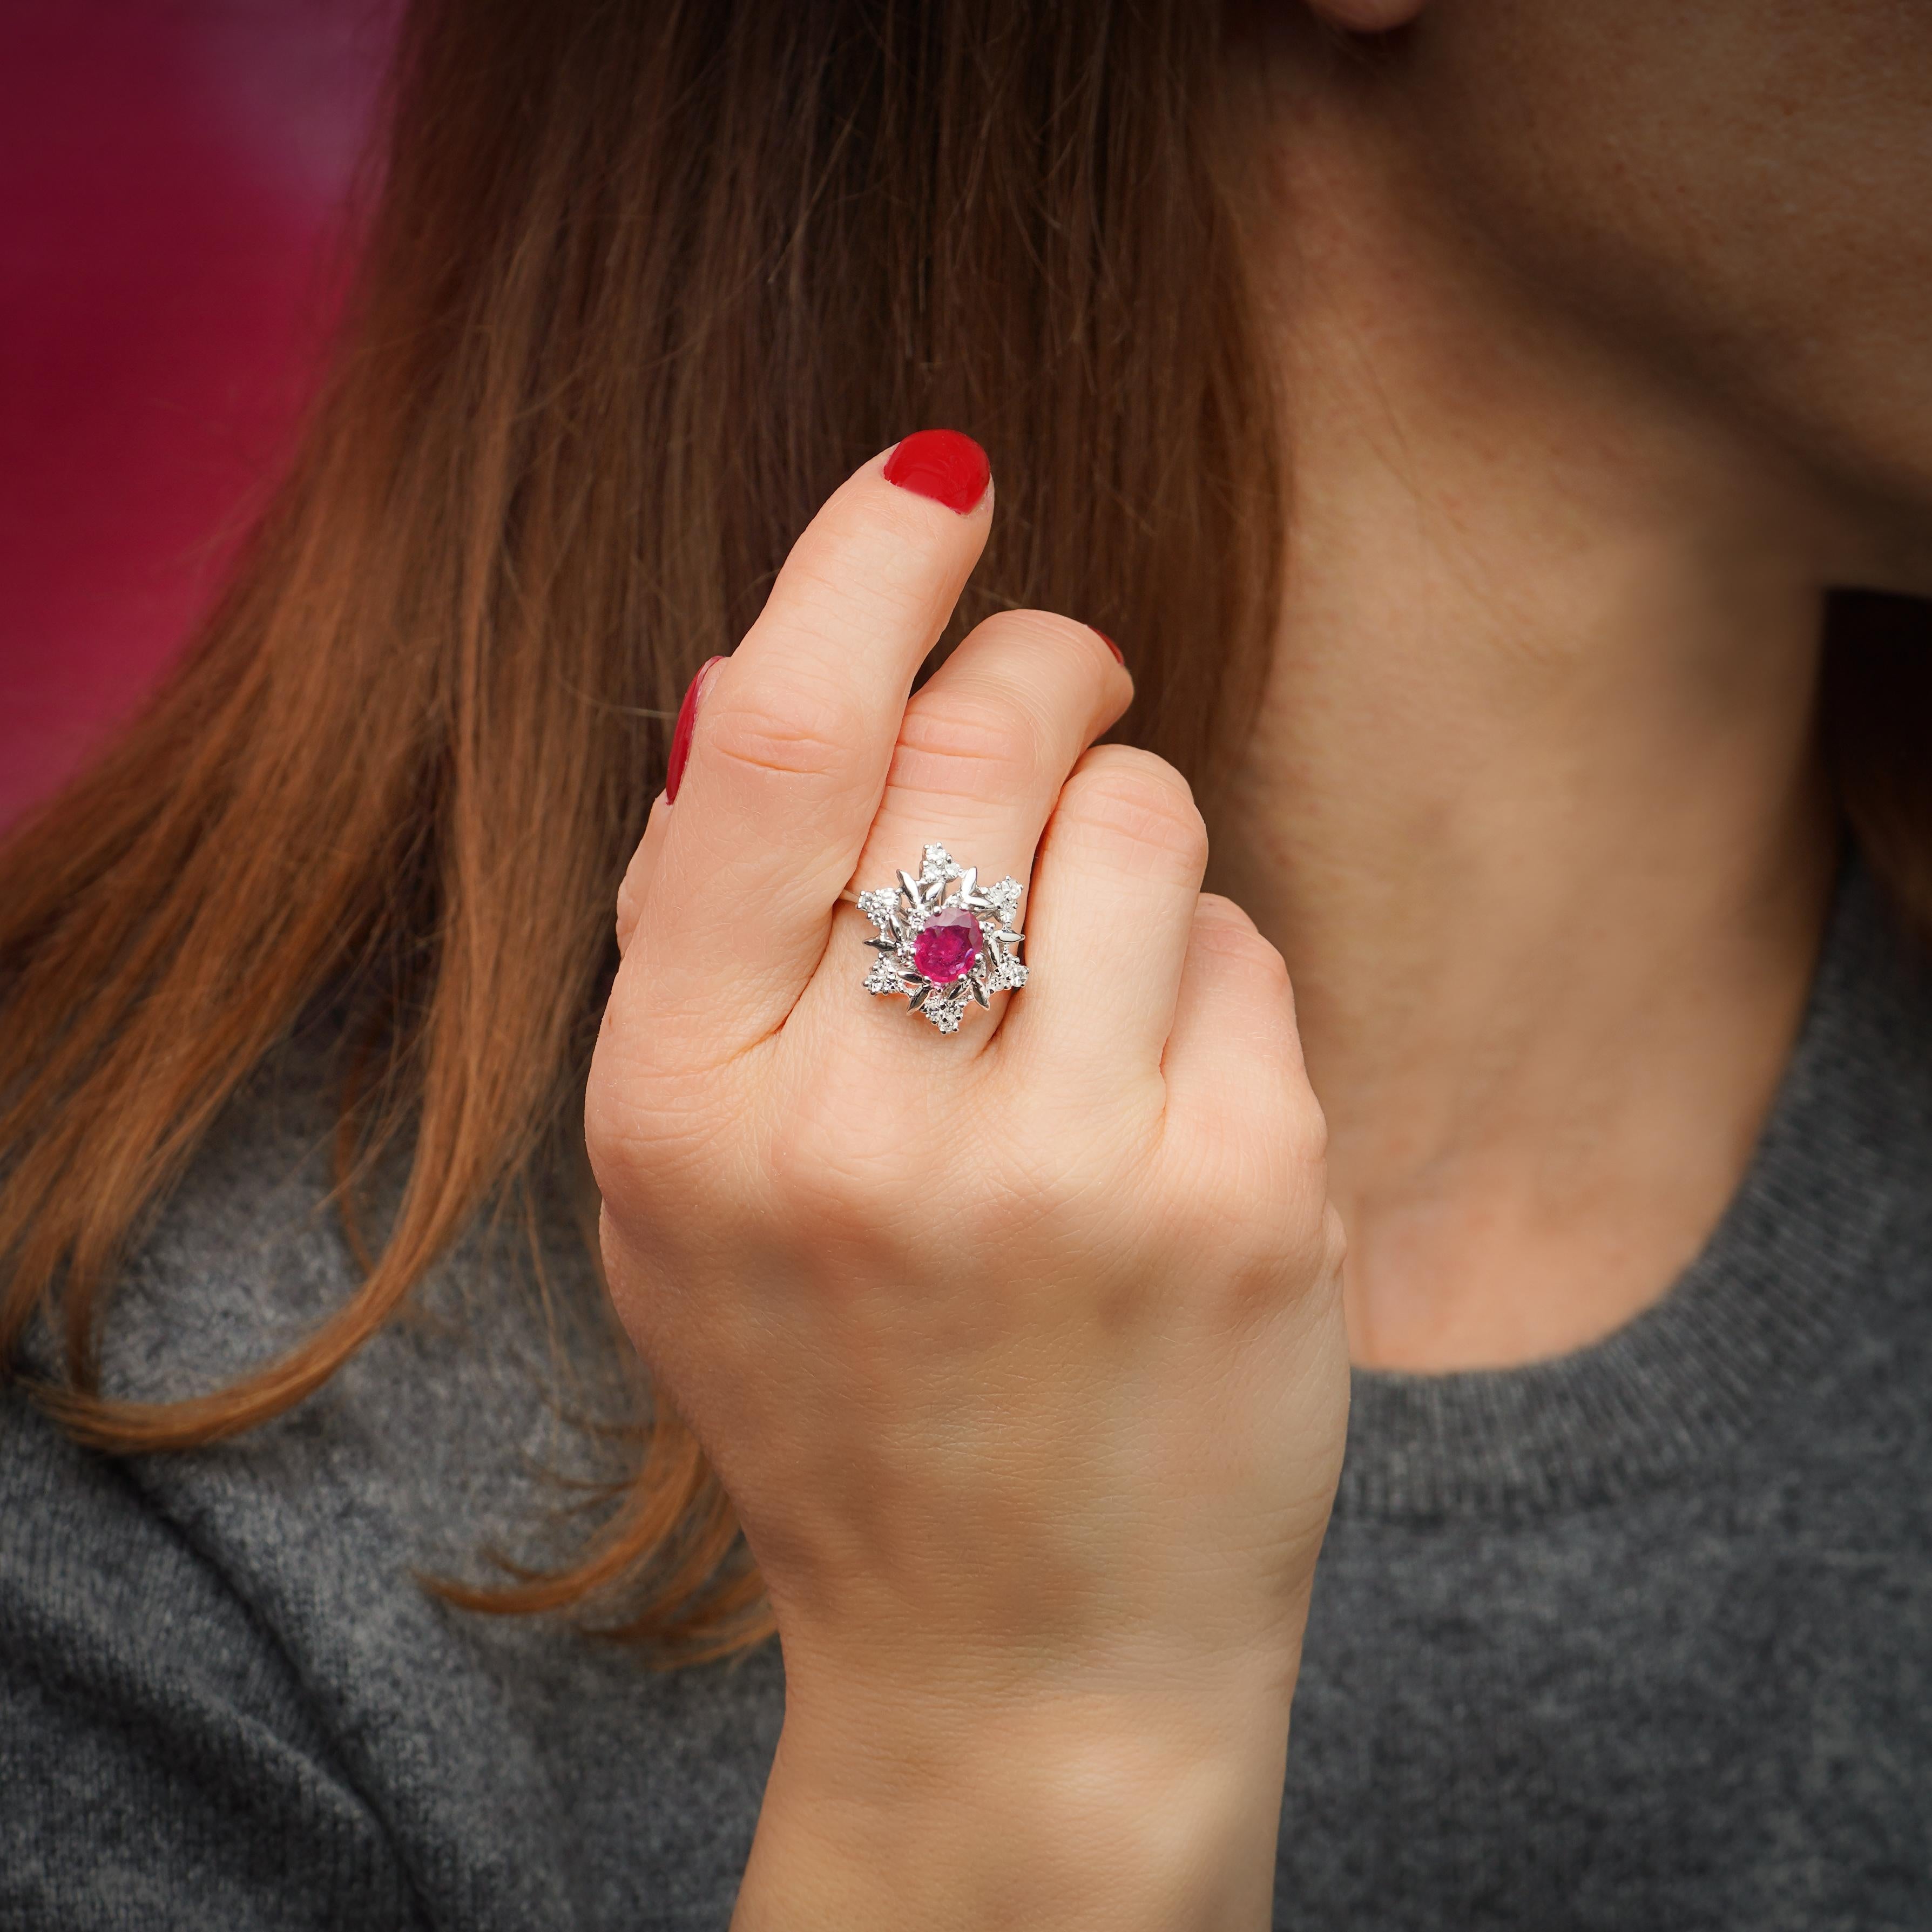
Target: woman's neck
1532,808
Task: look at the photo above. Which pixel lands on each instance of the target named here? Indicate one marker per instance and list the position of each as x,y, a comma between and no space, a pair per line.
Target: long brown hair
644,281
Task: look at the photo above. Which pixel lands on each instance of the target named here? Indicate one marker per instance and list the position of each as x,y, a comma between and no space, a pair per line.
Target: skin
1036,1465
1533,810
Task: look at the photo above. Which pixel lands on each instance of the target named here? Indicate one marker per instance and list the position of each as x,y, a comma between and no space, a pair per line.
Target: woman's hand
1018,1351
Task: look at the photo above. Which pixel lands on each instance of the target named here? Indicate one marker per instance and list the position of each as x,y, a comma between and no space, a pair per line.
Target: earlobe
1366,17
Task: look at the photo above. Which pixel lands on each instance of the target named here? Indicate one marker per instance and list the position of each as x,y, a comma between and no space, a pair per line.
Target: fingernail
1120,655
941,464
680,733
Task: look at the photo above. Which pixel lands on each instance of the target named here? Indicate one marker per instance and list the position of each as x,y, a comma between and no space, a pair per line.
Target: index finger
793,737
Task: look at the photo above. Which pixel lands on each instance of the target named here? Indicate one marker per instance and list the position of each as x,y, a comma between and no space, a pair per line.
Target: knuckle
800,731
1306,1128
1222,928
1132,796
835,1172
1217,909
626,1153
629,909
641,1122
1333,1246
992,735
1044,1191
835,1197
1030,632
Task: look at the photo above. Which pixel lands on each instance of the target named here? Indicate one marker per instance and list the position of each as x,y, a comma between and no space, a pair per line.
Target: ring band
943,940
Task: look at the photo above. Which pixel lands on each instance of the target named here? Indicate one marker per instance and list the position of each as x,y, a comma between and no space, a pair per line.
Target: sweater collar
1775,1293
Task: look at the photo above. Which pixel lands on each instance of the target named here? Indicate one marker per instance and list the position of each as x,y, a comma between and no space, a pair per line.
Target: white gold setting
971,950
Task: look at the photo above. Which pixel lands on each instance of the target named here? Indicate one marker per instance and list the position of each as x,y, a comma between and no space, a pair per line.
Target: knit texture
1639,1637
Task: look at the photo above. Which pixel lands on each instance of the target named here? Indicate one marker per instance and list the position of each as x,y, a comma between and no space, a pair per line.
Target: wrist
1064,1809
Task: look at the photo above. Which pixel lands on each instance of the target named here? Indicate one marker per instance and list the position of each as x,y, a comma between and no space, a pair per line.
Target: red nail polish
941,464
1120,655
680,733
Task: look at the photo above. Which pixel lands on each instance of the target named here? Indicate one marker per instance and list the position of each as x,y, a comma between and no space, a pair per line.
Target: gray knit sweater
1638,1638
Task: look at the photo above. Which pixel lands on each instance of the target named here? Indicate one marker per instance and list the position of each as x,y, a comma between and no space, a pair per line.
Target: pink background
173,180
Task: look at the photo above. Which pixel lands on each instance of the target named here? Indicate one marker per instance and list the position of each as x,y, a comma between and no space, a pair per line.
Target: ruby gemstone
947,945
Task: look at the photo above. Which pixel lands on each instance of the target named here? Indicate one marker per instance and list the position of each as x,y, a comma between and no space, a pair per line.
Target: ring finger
982,752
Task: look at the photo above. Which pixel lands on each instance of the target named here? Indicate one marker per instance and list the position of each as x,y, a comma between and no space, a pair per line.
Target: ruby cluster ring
944,939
